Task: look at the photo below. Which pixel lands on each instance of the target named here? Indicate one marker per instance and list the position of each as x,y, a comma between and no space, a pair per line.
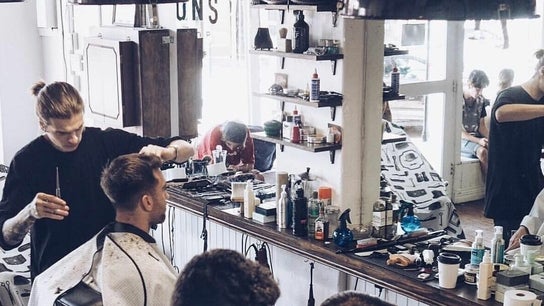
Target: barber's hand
483,142
516,237
48,206
161,152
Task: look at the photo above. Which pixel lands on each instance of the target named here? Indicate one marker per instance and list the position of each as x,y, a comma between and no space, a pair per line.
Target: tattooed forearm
15,229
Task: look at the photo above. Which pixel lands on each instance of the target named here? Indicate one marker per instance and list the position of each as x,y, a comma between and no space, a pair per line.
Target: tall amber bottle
301,34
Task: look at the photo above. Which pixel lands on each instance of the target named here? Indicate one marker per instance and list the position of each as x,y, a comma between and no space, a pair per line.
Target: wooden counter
428,292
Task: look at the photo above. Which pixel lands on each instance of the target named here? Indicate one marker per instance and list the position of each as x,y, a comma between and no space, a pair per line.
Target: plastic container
470,274
530,243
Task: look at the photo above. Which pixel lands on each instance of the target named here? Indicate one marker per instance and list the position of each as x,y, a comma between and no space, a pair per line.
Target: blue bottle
409,222
343,236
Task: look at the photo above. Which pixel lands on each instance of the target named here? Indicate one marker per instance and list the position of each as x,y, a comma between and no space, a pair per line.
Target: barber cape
128,269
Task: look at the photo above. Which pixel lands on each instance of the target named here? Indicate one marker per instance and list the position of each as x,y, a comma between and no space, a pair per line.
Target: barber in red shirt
235,138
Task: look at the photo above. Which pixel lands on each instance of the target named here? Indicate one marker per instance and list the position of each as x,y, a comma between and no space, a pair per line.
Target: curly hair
223,277
354,298
58,100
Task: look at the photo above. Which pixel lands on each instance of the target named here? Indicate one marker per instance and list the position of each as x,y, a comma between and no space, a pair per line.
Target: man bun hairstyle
58,100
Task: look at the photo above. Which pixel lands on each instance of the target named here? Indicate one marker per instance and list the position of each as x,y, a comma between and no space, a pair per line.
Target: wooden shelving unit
330,6
322,103
326,57
331,147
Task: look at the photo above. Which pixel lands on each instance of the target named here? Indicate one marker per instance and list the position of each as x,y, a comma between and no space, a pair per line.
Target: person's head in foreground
224,278
354,298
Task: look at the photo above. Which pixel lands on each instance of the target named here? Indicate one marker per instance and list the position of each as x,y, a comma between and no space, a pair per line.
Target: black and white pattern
15,275
412,179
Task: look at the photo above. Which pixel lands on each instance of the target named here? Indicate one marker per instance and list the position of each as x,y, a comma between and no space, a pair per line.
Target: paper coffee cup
448,267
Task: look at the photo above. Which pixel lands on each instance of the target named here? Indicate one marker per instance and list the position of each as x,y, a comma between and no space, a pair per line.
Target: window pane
425,42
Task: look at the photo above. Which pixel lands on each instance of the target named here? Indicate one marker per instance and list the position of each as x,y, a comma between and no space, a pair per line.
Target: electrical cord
171,236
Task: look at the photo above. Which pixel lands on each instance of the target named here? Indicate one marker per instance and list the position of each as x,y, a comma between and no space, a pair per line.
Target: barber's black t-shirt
514,176
32,170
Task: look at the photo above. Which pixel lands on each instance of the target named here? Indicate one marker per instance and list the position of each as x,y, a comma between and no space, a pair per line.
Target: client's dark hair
128,177
224,278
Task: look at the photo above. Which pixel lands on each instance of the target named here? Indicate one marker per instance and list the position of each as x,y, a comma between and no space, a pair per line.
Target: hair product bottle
395,80
282,208
497,246
315,87
484,277
313,213
477,251
249,200
301,34
321,224
300,214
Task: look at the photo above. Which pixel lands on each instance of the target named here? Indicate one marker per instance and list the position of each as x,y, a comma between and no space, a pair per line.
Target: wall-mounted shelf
332,103
301,146
392,97
326,57
329,6
389,52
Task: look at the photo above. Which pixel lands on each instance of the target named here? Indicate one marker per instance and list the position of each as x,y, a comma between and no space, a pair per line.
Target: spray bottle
497,246
408,222
484,277
477,252
343,236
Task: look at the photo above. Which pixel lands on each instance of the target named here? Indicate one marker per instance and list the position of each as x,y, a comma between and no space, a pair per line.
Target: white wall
20,66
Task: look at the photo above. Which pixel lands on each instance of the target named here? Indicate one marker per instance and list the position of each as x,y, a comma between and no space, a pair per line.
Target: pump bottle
343,236
315,88
477,251
497,246
282,208
485,273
